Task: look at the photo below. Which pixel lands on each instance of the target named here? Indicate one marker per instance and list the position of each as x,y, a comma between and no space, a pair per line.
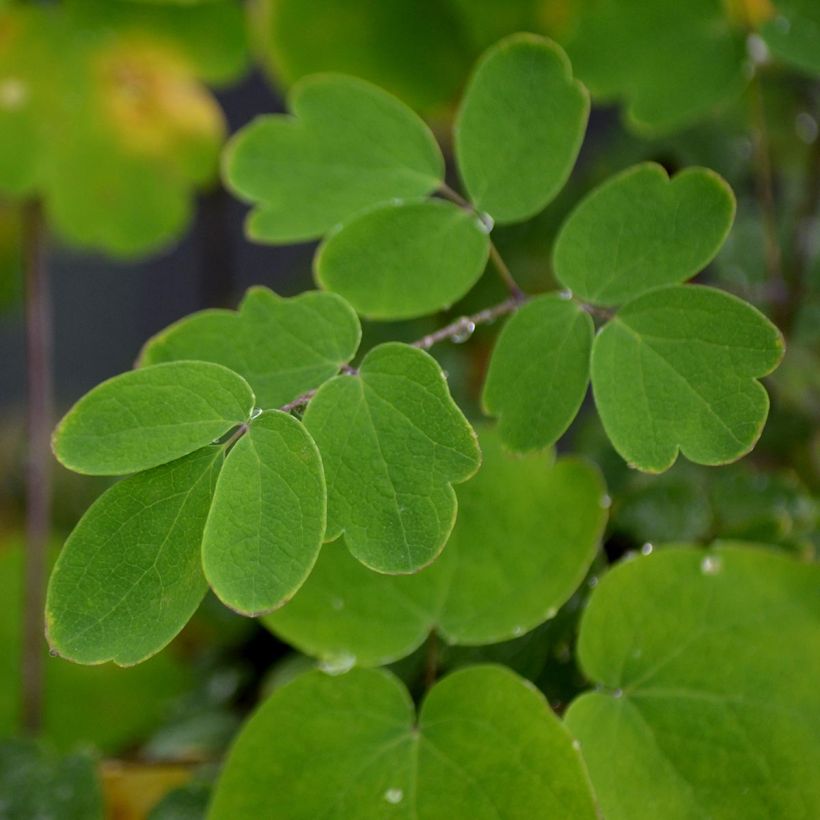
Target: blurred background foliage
112,117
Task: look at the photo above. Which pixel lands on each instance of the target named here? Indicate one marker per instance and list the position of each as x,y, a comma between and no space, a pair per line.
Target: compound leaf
539,372
709,707
348,146
520,127
676,369
147,417
671,63
268,516
392,442
129,576
282,347
404,259
526,534
347,747
640,230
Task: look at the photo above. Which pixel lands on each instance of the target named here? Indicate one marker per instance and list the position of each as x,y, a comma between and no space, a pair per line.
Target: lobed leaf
351,747
129,576
520,127
640,230
677,369
527,532
793,34
707,704
404,259
539,372
392,442
281,347
147,417
266,524
348,146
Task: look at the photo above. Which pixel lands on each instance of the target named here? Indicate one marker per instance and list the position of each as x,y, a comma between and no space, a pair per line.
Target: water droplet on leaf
464,332
647,549
338,664
394,796
710,565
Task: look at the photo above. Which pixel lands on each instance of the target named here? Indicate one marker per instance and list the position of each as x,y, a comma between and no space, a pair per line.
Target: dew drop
593,582
566,295
806,127
617,693
576,744
257,411
54,653
629,555
465,330
710,565
338,664
337,603
551,612
394,796
486,222
13,94
518,630
605,502
757,49
647,549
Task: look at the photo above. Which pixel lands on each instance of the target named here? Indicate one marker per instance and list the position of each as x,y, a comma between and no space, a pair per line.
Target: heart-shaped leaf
352,747
393,442
268,516
706,664
348,146
282,347
539,372
147,417
525,536
640,230
671,63
520,127
676,369
129,576
404,259
793,34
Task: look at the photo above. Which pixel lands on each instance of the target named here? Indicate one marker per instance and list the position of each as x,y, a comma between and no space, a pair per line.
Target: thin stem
464,326
498,261
779,290
38,463
431,661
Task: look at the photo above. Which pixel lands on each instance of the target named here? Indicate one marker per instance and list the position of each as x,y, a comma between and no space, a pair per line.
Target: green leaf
520,127
793,34
539,372
129,576
268,516
281,347
526,534
348,146
708,707
640,230
352,747
147,417
392,442
34,782
671,63
676,369
404,259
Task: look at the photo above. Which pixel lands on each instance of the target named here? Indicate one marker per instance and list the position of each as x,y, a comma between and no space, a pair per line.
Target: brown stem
38,463
779,288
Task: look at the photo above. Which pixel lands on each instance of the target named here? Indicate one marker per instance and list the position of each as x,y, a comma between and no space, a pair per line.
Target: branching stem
38,464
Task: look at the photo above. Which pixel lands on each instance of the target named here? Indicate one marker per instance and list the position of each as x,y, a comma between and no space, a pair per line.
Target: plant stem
779,288
431,661
465,325
38,463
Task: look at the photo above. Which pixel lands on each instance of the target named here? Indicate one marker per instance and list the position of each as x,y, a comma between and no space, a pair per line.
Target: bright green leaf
793,34
520,127
392,442
352,747
539,372
348,146
671,63
282,347
525,536
147,417
676,369
35,782
129,576
404,259
640,230
268,516
708,663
